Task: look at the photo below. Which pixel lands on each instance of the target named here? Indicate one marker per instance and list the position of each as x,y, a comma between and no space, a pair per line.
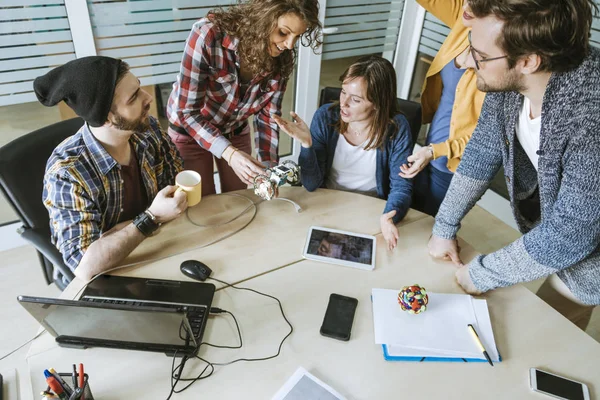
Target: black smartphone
339,316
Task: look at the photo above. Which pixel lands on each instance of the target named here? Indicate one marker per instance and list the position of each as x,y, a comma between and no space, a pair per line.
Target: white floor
20,274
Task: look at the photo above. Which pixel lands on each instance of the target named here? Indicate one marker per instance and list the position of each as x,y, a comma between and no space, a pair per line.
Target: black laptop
129,313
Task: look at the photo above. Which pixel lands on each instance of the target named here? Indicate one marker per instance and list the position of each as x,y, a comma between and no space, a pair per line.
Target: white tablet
340,247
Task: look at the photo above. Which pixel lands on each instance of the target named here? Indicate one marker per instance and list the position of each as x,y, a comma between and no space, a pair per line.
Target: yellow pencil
478,342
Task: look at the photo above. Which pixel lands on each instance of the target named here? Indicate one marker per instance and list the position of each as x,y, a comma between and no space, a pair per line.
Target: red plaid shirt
206,101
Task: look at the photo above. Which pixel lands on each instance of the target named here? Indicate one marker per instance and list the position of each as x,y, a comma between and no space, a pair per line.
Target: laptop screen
107,322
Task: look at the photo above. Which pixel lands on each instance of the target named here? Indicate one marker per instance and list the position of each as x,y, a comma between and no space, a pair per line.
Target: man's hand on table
464,280
445,249
389,229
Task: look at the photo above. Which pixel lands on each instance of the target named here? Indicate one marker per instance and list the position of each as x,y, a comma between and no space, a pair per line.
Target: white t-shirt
353,168
528,132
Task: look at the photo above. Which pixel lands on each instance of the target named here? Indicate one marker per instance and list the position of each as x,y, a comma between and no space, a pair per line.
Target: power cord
282,314
252,204
176,371
23,345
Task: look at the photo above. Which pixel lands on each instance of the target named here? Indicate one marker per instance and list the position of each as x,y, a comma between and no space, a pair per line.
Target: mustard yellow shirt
468,100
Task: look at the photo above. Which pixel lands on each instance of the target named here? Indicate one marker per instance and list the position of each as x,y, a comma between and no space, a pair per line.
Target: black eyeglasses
477,62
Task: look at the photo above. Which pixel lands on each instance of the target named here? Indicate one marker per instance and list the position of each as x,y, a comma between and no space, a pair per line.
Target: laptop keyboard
195,315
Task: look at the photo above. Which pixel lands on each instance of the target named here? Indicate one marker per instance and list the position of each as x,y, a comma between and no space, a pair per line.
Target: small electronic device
557,386
265,185
339,317
340,247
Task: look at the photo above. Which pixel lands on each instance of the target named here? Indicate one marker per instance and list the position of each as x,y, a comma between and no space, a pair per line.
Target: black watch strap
145,224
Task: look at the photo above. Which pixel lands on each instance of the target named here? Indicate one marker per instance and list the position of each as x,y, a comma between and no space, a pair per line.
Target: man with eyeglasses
541,122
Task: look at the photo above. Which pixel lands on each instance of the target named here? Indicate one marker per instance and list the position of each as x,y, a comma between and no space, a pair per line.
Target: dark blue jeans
429,189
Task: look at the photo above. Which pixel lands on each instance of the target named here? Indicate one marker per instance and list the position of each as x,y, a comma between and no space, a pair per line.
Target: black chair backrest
22,168
410,109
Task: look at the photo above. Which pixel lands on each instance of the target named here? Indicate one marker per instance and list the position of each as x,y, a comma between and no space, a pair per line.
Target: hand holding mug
190,183
168,204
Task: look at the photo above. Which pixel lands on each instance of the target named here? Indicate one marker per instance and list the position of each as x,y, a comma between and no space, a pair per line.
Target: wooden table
528,332
274,238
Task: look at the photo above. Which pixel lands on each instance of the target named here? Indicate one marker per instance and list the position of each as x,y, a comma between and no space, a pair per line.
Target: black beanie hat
87,85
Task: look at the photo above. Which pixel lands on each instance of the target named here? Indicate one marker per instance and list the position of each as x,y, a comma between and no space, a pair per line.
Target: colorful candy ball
413,299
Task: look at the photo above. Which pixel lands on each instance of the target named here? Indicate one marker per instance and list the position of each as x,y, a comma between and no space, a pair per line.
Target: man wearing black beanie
118,167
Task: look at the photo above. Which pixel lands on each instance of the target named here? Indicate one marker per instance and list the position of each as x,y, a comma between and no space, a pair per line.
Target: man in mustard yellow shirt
451,103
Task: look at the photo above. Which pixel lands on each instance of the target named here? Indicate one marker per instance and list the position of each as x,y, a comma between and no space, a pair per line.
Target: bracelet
153,217
231,155
430,147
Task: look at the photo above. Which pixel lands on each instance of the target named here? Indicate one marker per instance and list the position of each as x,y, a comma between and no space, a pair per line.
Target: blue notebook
388,357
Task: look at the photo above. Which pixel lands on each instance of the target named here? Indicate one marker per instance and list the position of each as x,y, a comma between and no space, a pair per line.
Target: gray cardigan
557,208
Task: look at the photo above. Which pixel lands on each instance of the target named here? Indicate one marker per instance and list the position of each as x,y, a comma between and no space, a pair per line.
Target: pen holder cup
86,393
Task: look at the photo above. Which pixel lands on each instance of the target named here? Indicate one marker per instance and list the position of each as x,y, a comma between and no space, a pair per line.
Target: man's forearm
462,195
106,252
505,267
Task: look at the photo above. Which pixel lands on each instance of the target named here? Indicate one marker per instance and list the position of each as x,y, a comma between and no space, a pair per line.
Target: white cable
296,205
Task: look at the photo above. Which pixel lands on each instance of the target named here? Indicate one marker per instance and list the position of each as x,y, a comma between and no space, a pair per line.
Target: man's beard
139,125
511,82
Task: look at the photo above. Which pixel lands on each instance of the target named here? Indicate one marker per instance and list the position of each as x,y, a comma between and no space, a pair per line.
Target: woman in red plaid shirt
235,65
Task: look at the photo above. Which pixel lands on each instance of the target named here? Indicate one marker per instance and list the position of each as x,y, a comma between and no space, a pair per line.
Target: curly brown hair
252,23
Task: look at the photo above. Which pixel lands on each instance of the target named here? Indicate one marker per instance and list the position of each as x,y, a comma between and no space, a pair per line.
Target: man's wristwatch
146,223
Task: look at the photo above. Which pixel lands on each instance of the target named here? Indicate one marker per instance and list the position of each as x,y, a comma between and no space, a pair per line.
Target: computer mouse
195,269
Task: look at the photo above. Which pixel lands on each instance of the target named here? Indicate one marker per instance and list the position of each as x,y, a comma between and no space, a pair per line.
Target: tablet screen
343,246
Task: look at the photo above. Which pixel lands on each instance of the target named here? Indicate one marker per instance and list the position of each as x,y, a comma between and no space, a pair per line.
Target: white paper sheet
305,386
483,328
443,327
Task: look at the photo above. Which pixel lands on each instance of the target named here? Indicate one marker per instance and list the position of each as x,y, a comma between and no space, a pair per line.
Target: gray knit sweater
557,208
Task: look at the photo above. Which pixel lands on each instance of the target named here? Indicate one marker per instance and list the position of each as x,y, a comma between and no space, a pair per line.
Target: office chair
410,109
22,168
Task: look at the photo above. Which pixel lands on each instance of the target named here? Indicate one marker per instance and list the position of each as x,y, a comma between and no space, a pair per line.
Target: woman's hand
416,163
295,128
389,230
244,165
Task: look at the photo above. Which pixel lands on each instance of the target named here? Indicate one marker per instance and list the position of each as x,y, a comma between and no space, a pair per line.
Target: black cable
219,311
179,368
176,372
282,314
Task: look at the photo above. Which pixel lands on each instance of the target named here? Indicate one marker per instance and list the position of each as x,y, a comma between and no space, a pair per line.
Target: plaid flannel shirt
83,187
206,101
